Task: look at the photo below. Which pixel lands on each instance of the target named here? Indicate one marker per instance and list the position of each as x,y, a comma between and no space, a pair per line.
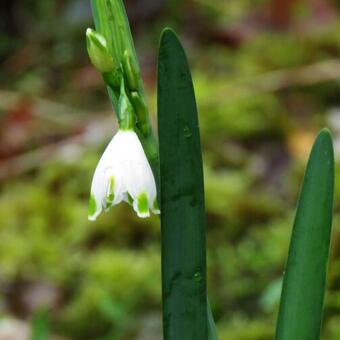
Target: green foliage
242,328
115,285
182,197
235,112
301,307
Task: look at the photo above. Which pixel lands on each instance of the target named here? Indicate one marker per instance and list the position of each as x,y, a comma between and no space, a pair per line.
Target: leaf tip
168,34
325,137
325,133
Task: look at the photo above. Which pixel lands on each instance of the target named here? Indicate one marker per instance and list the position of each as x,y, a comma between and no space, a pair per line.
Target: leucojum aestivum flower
123,172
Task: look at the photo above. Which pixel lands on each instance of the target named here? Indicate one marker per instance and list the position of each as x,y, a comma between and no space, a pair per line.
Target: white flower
123,174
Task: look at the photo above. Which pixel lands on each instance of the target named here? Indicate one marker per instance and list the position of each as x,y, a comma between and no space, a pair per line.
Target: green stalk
111,21
301,307
182,198
40,326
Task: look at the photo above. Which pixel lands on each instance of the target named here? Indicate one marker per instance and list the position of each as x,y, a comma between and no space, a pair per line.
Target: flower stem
111,21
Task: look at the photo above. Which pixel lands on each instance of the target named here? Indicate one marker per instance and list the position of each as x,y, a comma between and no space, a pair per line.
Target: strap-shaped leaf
182,197
303,290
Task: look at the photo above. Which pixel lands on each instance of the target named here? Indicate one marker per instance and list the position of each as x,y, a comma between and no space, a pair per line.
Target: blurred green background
266,75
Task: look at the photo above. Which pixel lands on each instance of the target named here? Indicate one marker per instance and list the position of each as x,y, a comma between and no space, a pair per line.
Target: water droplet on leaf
198,276
187,132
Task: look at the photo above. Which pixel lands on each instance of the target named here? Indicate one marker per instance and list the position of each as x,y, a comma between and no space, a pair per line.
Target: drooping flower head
123,172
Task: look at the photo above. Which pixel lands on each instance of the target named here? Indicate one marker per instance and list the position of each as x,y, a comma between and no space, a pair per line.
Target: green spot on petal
110,193
92,206
142,204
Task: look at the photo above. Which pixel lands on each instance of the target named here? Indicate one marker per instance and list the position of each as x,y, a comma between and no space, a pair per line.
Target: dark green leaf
303,290
182,197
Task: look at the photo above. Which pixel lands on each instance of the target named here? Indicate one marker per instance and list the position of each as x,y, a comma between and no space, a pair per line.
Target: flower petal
123,174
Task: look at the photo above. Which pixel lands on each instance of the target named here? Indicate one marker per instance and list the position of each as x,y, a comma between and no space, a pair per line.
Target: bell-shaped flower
123,174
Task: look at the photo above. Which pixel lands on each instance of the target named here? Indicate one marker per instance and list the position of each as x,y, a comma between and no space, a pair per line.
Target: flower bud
126,113
131,72
113,79
98,51
141,112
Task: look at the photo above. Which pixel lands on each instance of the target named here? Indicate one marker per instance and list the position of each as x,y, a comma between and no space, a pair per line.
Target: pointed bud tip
98,51
89,31
131,71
